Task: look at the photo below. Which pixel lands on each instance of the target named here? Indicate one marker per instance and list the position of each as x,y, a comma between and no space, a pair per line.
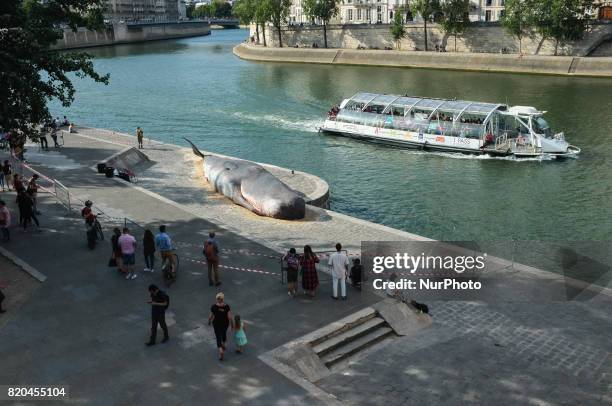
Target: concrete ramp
127,158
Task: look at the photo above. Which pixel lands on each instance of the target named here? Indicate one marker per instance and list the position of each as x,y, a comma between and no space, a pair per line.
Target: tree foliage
245,10
31,73
518,19
278,11
455,17
323,10
561,20
398,31
426,9
216,9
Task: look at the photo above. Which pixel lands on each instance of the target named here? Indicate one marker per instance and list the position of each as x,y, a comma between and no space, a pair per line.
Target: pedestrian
308,264
116,249
7,172
240,339
163,242
32,190
159,302
17,183
26,209
211,252
220,316
139,136
127,242
54,137
293,266
5,221
338,265
148,245
43,141
356,271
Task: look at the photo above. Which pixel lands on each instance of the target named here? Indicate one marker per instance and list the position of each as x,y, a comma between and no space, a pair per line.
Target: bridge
224,22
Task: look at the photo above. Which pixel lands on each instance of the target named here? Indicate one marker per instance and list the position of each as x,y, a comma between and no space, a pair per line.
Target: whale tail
195,149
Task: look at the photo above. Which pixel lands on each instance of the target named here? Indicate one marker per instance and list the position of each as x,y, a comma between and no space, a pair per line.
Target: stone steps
351,338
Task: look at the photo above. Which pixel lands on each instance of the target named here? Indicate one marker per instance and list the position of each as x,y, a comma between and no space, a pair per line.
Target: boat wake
485,157
280,122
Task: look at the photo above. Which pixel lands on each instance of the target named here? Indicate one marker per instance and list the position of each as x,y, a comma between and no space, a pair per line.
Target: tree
205,10
518,19
245,11
323,10
278,10
32,73
455,17
398,31
426,9
561,20
262,16
220,9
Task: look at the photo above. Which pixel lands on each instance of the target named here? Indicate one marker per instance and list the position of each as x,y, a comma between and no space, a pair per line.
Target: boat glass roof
428,103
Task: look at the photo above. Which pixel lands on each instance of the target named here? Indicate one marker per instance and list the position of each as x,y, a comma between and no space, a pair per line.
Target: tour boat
448,125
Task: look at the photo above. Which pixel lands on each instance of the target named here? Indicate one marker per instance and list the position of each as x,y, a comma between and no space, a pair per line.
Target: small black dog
422,307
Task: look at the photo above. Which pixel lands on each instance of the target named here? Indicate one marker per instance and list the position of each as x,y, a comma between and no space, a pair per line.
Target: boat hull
407,139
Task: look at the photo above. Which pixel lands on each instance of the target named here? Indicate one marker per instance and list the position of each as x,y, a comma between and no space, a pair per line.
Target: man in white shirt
338,265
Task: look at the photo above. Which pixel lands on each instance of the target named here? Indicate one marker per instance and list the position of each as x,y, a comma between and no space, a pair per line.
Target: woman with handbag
308,264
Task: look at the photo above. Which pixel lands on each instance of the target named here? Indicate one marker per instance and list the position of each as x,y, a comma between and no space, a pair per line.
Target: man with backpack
159,302
211,252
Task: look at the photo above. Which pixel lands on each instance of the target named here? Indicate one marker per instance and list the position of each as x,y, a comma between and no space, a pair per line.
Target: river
269,112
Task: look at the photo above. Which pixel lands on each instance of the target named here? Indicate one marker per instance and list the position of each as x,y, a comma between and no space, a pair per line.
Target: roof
445,105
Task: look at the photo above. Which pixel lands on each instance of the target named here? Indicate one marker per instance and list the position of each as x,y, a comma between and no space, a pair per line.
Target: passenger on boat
520,141
488,140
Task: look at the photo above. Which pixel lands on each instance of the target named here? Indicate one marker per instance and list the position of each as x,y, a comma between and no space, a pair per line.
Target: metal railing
45,183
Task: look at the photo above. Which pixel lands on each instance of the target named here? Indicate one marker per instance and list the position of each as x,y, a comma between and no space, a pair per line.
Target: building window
502,13
369,15
350,14
379,20
488,15
390,15
359,15
489,3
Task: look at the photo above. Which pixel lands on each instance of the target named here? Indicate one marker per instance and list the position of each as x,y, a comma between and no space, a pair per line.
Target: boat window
375,108
396,111
540,126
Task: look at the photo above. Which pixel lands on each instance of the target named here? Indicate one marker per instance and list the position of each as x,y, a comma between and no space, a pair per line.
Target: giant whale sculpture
251,186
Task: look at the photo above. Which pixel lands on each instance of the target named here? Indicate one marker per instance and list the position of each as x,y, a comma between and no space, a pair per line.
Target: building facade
142,10
382,11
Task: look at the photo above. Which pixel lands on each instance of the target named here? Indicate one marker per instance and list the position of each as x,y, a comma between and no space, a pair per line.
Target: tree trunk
257,32
455,42
263,32
425,25
325,33
520,38
556,46
280,37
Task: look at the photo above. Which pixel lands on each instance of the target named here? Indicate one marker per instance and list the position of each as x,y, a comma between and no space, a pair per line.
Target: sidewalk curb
23,265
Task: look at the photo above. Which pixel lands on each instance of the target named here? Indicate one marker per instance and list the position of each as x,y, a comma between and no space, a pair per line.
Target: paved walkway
86,326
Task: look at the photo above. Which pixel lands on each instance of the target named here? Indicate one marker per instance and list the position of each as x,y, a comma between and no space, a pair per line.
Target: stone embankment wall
122,33
552,65
488,38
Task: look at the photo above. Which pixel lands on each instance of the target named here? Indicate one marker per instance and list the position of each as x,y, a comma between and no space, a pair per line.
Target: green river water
270,112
